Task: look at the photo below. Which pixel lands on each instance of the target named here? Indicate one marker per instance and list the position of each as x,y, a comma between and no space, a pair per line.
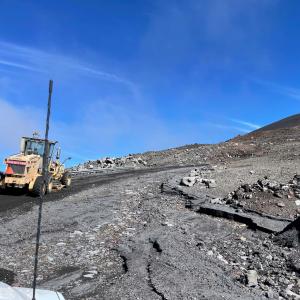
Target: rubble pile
290,237
268,196
196,176
258,264
110,163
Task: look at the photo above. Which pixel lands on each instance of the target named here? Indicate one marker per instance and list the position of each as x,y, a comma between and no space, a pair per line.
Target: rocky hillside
281,136
289,122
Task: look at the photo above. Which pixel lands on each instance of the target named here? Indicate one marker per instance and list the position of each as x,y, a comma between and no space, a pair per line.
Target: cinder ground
122,238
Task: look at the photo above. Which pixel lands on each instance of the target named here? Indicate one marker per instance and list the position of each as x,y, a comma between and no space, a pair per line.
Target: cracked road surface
122,239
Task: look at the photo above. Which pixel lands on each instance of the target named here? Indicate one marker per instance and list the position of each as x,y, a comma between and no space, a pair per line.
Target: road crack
151,284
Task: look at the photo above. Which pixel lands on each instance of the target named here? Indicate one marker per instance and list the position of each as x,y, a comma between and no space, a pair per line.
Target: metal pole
45,175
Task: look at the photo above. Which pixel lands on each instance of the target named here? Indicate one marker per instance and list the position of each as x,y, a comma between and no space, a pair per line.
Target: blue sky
131,76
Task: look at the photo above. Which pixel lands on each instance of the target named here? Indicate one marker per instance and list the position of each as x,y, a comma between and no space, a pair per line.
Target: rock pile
196,176
279,190
258,264
110,163
290,236
268,196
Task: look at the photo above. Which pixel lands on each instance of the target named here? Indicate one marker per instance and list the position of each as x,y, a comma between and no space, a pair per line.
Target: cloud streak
229,127
34,60
18,65
281,89
248,124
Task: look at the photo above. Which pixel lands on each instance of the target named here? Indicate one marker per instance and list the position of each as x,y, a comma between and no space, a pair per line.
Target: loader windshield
36,147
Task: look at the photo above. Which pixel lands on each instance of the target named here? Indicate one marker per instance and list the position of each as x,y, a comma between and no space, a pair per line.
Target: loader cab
35,146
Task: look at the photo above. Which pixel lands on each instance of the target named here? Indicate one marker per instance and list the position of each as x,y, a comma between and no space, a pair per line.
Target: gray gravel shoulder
126,240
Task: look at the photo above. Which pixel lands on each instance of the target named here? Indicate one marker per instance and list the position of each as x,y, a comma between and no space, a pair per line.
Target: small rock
88,276
246,188
167,224
109,161
270,294
280,204
194,173
216,201
269,282
221,258
50,259
212,184
285,188
60,244
291,294
188,181
252,278
77,232
278,195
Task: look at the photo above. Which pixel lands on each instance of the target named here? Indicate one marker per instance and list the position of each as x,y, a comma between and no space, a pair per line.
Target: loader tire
66,179
39,188
2,185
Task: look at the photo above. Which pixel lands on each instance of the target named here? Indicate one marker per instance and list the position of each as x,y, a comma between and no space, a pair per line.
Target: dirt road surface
121,239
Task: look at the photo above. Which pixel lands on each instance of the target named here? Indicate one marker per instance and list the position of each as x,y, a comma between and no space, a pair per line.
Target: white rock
297,202
89,276
222,259
94,272
291,293
50,259
252,277
77,232
216,201
60,244
188,181
194,173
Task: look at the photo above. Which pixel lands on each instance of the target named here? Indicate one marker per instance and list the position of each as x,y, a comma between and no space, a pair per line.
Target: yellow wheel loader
24,170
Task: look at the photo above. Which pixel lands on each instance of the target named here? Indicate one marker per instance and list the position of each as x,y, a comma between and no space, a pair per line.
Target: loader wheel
2,185
3,189
39,188
66,179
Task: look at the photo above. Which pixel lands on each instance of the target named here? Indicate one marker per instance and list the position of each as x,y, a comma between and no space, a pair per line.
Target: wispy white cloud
18,65
229,127
248,124
278,88
35,60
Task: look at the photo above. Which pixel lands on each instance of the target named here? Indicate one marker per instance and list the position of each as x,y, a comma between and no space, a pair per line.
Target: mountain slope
289,122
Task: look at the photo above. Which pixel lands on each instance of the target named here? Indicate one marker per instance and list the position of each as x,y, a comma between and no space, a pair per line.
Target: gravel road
21,199
121,239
